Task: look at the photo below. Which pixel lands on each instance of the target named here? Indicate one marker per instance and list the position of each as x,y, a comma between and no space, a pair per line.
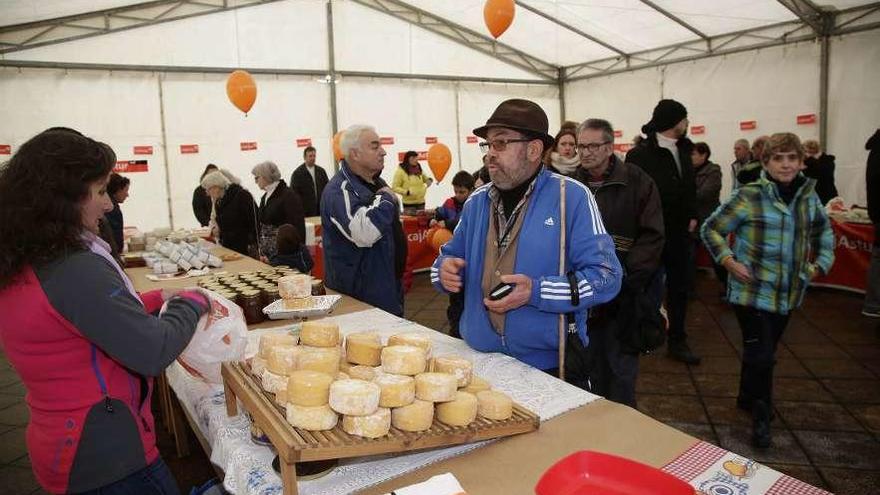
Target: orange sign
386,140
618,133
748,125
472,139
128,166
623,147
431,140
809,118
248,145
303,142
186,149
698,129
5,149
143,150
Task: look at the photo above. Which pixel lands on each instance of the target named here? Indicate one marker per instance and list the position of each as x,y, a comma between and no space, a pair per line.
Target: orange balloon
242,90
498,15
439,159
337,149
440,237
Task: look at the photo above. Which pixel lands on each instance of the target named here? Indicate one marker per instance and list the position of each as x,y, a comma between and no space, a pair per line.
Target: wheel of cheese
477,385
494,405
323,359
319,334
270,339
295,286
373,425
396,390
309,388
258,365
361,372
363,348
459,412
403,360
354,397
281,358
417,416
281,397
314,418
417,339
342,376
461,368
436,387
272,382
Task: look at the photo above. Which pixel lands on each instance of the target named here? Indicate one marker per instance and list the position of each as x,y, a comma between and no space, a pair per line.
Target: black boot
680,351
761,424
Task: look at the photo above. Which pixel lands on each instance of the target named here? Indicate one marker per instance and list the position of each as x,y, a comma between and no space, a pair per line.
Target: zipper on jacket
108,404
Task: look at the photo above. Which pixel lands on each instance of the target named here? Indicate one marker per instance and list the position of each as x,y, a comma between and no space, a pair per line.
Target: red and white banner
142,150
852,256
431,140
697,130
618,133
5,149
384,141
748,125
129,166
423,155
248,145
186,149
303,142
807,118
472,139
623,147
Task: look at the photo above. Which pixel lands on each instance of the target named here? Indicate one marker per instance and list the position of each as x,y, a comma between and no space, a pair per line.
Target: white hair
267,170
231,178
351,138
215,179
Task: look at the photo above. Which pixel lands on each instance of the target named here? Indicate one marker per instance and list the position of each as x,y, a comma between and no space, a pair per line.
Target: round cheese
270,339
315,418
477,385
494,405
323,359
459,367
281,397
354,397
295,286
258,365
281,358
417,339
396,390
361,372
403,360
459,412
417,416
363,348
319,334
342,376
272,382
436,387
309,388
373,425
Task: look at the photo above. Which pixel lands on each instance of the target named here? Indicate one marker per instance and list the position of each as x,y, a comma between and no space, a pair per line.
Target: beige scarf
565,166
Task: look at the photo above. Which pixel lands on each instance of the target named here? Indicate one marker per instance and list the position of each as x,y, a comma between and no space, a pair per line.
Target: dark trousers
454,311
676,262
155,479
613,372
761,332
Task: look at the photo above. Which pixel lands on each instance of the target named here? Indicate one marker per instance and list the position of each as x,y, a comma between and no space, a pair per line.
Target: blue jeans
155,479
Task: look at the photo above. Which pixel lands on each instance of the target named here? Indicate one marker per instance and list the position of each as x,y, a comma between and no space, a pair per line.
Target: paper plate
321,305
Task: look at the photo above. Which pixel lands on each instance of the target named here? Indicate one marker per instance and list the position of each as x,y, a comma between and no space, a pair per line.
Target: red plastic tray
594,473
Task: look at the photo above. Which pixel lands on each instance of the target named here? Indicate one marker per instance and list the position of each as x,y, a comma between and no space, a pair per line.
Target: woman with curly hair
85,344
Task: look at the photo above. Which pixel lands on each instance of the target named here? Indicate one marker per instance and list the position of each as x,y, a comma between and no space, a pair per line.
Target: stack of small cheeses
296,291
373,386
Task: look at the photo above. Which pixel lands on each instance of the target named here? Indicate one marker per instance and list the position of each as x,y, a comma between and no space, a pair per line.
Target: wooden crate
295,445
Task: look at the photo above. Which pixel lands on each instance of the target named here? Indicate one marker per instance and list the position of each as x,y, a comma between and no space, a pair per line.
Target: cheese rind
418,416
396,390
272,382
309,388
354,397
361,372
281,358
270,339
493,404
363,348
461,368
459,412
323,359
314,418
417,339
477,385
319,334
436,387
295,286
373,425
403,360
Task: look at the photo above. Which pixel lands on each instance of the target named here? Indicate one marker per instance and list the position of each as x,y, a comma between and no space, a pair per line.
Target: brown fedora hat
520,115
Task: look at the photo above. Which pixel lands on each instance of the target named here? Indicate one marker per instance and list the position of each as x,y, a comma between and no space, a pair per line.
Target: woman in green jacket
782,239
411,184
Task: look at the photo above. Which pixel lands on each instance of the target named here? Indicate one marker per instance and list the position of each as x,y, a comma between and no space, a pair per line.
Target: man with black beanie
665,154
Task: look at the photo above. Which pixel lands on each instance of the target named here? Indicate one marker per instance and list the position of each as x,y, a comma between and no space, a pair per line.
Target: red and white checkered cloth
791,486
694,461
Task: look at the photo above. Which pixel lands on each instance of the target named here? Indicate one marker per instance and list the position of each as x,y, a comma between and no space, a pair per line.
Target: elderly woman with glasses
279,205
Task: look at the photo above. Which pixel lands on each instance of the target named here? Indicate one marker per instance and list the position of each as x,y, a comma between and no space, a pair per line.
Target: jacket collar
359,186
770,188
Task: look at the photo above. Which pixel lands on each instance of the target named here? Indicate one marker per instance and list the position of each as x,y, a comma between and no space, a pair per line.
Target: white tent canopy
152,74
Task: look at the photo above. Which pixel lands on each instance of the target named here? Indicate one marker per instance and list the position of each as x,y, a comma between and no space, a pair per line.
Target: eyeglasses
501,144
592,147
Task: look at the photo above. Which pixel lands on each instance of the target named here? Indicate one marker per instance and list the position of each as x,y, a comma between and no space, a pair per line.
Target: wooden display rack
296,445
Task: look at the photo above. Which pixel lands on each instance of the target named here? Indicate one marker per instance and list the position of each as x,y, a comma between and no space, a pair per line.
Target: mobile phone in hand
500,291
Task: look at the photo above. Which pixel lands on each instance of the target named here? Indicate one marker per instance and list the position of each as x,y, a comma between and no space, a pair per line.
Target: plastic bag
220,336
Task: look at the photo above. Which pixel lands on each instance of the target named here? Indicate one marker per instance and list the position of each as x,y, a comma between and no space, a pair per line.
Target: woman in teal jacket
782,239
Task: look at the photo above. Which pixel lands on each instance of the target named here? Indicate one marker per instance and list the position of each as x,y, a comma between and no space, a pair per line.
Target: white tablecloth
248,466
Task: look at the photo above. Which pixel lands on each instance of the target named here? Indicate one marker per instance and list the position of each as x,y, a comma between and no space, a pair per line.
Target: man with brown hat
665,154
505,251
